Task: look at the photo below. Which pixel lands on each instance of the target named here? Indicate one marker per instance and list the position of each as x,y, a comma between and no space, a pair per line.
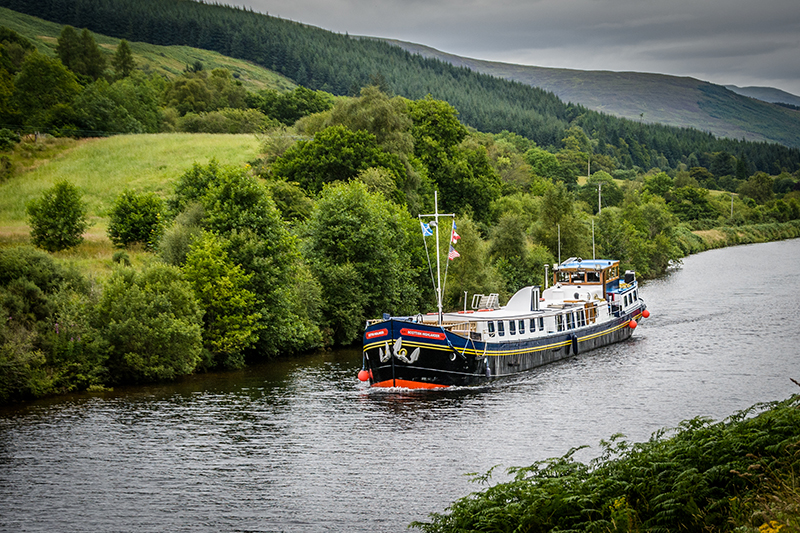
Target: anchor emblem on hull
399,352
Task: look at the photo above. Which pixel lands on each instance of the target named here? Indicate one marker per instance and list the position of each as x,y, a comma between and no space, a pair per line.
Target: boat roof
587,264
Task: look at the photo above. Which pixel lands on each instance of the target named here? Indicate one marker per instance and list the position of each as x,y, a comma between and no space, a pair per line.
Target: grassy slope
103,168
169,61
671,100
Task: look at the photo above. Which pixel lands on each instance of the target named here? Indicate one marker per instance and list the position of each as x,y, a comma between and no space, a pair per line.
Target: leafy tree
47,344
231,326
610,194
237,207
291,106
691,203
704,177
558,216
469,183
543,163
518,261
436,131
40,87
375,112
139,96
335,154
152,323
201,91
358,245
187,226
57,218
658,184
80,53
13,49
123,61
136,218
291,201
98,110
758,187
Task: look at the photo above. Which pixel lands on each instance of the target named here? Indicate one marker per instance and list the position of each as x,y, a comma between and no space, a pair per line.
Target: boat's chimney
535,298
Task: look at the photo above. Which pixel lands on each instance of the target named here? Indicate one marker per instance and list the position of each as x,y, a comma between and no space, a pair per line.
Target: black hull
444,359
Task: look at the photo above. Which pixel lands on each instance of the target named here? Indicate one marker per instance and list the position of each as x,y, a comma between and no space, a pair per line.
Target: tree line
82,93
341,65
295,250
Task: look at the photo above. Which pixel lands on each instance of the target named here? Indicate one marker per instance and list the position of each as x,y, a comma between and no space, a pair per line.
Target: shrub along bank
741,474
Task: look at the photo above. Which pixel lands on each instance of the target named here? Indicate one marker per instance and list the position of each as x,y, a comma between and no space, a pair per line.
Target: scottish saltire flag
426,229
453,254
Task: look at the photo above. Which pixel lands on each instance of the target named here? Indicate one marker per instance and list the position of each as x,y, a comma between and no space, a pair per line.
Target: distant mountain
653,98
341,64
766,94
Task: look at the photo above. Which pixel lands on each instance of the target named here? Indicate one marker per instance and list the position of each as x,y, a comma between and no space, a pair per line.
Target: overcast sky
739,42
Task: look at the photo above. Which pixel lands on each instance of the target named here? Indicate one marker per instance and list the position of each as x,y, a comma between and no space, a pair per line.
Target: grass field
103,168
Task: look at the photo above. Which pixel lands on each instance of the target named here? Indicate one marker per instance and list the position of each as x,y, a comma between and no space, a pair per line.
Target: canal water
301,445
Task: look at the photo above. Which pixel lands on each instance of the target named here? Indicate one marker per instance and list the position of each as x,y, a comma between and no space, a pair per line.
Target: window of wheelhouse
490,328
501,328
532,325
521,327
592,276
541,323
512,327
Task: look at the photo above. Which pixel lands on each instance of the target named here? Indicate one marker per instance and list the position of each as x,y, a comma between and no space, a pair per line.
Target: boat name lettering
377,333
424,334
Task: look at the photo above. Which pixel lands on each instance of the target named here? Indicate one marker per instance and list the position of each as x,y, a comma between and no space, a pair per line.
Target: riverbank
720,237
740,475
300,444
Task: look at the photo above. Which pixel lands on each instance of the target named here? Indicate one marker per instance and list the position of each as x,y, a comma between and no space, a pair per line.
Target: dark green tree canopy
136,218
151,320
123,61
80,53
41,86
291,106
58,218
359,245
335,154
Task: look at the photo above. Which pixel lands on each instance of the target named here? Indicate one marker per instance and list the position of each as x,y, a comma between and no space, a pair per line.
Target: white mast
438,266
435,223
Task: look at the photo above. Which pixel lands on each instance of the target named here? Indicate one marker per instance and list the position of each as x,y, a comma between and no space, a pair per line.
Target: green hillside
341,65
675,101
103,168
169,61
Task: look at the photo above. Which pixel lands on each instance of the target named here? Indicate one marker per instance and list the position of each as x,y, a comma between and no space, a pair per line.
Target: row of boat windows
570,320
515,326
630,298
564,322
